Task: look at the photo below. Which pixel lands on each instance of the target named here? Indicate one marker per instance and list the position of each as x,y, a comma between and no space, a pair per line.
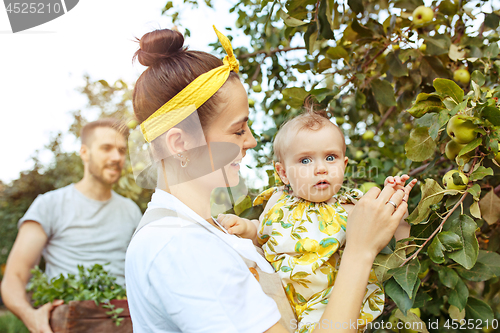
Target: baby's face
314,164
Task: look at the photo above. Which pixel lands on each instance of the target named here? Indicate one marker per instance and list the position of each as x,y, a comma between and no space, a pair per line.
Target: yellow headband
192,97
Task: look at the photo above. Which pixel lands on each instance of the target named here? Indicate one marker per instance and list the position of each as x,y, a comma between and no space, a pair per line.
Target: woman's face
231,125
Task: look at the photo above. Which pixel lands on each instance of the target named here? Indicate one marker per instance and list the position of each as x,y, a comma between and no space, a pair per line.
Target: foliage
11,324
374,69
94,284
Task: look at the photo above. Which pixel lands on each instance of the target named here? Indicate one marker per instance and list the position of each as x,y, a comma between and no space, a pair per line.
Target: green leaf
420,146
436,251
458,295
384,92
325,27
480,173
491,21
478,77
361,30
432,67
337,52
413,320
396,67
356,5
384,262
295,96
487,266
407,275
428,198
442,119
470,146
448,276
437,44
475,190
424,96
290,21
449,88
491,113
399,296
478,311
450,241
465,227
490,207
426,106
491,50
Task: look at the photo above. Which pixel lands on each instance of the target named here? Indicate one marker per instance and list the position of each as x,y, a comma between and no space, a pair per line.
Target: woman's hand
373,221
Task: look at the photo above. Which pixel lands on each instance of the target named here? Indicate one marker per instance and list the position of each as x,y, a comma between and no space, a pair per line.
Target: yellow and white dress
303,242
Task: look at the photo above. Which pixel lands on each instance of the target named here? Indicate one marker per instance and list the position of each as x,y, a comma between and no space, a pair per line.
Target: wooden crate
86,317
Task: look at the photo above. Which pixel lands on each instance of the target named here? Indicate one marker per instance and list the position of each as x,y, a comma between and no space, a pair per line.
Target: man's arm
25,254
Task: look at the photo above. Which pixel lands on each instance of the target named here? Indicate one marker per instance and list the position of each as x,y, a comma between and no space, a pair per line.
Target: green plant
93,283
11,324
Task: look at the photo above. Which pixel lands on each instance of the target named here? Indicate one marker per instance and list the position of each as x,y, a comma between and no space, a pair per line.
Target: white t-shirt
183,278
83,231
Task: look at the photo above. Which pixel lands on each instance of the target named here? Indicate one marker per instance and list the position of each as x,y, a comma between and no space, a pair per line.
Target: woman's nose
250,141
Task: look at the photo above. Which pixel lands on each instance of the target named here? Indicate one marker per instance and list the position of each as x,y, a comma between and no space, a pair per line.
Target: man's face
106,155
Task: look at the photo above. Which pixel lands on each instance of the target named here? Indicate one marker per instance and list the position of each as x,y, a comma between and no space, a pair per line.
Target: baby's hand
399,184
234,224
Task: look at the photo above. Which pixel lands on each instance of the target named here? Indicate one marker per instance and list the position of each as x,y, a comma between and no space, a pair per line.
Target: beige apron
269,282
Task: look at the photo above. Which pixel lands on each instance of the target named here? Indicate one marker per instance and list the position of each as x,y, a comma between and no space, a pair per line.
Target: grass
11,324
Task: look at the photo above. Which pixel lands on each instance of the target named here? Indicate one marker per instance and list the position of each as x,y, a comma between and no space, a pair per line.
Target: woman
184,273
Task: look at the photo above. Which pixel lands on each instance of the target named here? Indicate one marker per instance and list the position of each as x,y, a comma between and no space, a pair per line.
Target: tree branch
384,118
437,229
423,167
271,52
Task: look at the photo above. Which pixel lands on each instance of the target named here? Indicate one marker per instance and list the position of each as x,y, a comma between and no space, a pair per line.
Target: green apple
394,323
368,135
452,149
488,329
423,47
408,126
422,15
365,187
251,102
358,155
497,156
132,124
395,47
257,88
461,130
339,120
450,183
461,76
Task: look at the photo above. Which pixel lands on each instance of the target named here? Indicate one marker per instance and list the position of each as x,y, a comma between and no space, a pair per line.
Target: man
84,223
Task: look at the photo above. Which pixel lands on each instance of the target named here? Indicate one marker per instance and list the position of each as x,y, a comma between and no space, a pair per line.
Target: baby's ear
280,169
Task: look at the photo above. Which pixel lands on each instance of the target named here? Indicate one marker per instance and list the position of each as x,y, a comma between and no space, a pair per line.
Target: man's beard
98,174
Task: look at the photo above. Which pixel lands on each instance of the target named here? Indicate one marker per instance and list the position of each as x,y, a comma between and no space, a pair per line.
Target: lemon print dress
303,242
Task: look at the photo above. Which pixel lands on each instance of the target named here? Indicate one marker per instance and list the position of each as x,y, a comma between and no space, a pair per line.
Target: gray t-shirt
83,231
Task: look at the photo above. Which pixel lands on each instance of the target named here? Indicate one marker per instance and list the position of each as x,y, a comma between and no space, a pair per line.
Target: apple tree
414,86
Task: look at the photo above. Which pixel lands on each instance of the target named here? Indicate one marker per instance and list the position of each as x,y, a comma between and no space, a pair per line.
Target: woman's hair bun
158,45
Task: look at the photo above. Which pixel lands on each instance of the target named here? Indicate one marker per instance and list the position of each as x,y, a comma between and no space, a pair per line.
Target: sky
41,68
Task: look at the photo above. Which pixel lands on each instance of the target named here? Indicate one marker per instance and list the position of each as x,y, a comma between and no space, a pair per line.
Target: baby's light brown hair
311,120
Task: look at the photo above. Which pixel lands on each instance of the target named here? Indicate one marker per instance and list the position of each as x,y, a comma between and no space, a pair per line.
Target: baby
303,224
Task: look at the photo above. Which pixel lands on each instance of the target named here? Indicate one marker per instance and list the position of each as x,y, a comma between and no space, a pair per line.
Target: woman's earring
184,162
